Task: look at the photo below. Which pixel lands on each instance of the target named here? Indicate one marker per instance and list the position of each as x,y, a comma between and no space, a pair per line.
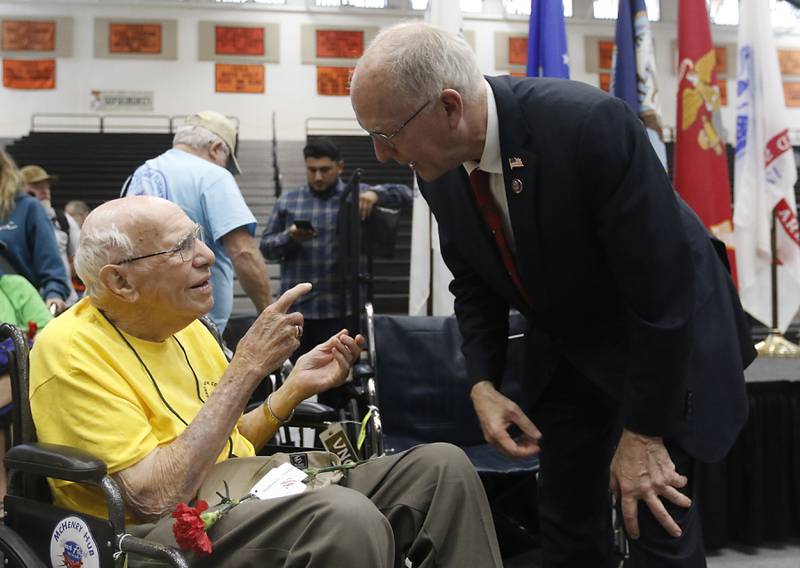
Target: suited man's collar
515,132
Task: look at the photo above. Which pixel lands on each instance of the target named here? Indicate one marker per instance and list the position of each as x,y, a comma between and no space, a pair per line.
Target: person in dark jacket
32,249
551,200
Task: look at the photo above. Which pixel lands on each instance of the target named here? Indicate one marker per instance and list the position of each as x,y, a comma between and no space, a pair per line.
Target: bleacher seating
90,166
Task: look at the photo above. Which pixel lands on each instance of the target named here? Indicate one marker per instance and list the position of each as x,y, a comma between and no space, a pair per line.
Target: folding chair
420,377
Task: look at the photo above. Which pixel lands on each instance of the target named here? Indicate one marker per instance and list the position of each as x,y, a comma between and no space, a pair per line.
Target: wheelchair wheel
15,552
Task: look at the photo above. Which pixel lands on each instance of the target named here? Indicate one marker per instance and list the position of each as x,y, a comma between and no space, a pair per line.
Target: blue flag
547,40
633,74
624,83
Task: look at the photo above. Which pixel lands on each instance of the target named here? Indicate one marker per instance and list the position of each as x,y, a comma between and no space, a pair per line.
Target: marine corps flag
765,175
701,165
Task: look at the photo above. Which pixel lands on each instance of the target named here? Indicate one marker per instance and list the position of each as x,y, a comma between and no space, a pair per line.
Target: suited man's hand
643,471
496,414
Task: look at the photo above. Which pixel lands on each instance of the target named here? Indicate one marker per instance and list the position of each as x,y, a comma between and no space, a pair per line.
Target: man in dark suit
550,200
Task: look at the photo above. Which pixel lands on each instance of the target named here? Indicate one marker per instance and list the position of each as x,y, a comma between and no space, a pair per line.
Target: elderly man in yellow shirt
130,375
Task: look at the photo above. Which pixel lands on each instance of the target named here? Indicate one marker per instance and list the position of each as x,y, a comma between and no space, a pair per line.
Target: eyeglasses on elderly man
185,247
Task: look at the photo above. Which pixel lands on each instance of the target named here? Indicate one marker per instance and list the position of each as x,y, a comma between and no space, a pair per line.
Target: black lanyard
155,384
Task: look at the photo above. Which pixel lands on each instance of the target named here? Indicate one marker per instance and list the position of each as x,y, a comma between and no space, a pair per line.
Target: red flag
701,165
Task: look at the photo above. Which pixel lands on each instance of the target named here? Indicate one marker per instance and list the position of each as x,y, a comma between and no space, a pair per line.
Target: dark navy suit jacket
625,282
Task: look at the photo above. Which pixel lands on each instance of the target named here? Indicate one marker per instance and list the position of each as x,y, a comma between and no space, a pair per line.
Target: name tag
281,481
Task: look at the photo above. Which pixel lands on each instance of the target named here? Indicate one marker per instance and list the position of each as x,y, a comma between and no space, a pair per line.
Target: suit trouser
426,504
580,427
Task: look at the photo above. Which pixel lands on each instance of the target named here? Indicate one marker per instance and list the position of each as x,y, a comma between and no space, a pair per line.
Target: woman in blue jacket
32,249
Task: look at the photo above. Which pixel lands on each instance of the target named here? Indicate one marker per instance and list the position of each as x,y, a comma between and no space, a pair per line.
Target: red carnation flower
189,528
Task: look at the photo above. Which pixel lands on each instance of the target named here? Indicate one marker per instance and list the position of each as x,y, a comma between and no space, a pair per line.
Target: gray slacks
426,504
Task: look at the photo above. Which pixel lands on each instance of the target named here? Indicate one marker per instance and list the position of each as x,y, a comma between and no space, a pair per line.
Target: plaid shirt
316,261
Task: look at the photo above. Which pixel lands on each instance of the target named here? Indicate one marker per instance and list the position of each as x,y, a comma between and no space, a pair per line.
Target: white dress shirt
492,162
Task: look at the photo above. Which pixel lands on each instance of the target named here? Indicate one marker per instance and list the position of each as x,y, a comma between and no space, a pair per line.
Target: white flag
419,283
765,174
425,251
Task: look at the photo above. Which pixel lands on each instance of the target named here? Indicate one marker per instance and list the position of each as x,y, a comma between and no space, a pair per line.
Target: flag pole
775,344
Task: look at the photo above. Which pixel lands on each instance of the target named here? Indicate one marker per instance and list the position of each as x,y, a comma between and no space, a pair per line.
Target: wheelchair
36,533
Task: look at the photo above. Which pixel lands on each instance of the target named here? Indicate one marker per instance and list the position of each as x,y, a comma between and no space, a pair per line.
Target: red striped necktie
479,180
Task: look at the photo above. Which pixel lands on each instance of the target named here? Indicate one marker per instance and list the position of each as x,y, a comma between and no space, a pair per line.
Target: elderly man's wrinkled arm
186,461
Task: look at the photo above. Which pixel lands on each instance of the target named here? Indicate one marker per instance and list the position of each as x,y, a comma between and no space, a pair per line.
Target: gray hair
197,137
98,248
421,60
77,206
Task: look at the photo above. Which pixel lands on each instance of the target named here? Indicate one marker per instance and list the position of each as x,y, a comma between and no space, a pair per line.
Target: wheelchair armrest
60,462
309,412
152,549
362,371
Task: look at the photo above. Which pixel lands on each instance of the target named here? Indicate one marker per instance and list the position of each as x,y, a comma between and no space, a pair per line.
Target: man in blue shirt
308,252
197,175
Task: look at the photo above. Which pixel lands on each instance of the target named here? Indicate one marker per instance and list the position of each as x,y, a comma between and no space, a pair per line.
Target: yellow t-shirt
88,390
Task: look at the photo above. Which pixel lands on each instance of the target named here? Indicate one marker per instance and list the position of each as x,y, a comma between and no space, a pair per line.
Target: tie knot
478,175
479,180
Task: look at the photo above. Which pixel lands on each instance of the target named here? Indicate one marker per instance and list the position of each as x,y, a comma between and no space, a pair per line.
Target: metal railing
106,123
316,126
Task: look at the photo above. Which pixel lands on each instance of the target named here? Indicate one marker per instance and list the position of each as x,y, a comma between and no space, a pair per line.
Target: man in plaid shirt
308,252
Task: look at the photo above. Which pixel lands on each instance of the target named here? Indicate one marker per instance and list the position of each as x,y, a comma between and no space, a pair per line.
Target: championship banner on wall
791,94
340,44
134,38
517,51
21,35
334,81
29,74
239,78
605,63
789,60
230,40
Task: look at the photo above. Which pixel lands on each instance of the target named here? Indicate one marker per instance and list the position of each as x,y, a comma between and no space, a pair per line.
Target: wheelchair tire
14,552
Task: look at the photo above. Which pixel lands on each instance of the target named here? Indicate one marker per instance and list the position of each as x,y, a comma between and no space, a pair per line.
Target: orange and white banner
29,74
19,35
239,78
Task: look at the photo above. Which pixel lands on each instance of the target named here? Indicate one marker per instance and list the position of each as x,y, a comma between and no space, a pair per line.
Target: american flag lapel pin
515,163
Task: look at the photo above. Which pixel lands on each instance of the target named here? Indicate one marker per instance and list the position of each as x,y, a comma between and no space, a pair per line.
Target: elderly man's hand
643,471
326,366
274,335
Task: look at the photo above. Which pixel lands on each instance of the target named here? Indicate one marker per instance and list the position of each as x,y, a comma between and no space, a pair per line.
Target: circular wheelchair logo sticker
73,546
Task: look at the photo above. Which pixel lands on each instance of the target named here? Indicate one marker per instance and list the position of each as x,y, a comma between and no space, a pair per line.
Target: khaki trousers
426,505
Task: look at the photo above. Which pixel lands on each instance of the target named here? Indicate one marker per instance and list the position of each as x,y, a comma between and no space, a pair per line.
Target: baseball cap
222,127
34,174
